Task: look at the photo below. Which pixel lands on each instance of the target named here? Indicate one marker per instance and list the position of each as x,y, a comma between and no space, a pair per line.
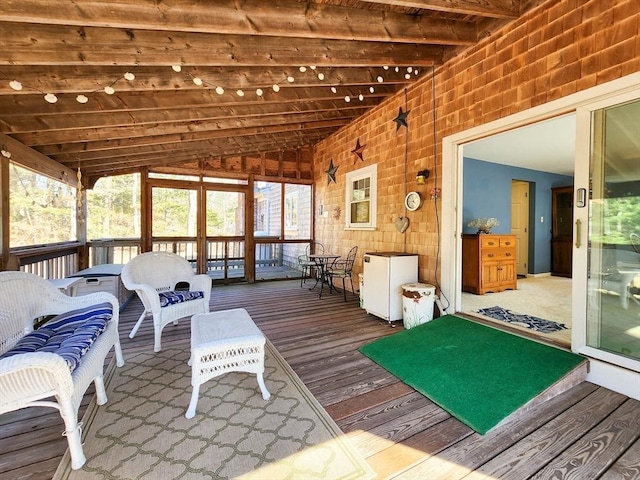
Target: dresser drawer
498,254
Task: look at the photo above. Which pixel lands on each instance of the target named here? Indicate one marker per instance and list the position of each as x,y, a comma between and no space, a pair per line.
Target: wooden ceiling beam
284,18
266,113
47,137
491,8
26,44
209,138
129,143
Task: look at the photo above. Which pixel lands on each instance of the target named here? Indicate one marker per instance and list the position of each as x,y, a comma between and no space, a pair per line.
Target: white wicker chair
154,272
29,379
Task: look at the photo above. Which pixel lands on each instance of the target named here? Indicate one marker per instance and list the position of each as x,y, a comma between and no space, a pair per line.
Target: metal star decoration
401,119
331,172
358,151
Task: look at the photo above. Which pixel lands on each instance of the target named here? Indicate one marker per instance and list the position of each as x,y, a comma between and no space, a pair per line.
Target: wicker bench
222,342
54,365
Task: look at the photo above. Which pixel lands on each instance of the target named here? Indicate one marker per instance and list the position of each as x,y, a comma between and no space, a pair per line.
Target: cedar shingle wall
555,50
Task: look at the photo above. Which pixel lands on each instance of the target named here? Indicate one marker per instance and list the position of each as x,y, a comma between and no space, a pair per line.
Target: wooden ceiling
164,117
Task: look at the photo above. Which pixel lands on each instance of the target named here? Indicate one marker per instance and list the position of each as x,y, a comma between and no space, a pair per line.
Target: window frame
370,172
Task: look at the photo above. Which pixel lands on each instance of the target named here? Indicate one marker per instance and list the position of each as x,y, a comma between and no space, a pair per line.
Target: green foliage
113,208
41,210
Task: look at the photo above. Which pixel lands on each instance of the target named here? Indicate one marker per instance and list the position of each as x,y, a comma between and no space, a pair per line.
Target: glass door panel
613,289
225,230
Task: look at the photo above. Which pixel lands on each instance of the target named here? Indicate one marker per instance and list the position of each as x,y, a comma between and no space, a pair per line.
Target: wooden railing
47,261
113,250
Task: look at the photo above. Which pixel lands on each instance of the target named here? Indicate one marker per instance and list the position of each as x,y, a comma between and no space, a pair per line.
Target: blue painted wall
487,193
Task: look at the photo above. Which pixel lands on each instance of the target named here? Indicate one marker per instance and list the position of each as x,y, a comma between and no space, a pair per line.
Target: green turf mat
478,374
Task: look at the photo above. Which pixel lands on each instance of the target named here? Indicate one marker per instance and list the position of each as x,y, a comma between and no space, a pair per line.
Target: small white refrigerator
384,274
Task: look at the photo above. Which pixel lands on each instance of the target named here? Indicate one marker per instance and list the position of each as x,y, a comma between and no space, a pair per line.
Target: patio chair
306,264
154,277
53,365
343,269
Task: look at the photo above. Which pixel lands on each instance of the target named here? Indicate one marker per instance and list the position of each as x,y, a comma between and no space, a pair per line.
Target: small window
361,199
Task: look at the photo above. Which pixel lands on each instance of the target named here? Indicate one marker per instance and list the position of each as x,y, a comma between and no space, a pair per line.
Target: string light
130,76
4,151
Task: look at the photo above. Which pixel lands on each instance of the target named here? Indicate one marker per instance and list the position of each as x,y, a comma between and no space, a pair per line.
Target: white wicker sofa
54,365
155,276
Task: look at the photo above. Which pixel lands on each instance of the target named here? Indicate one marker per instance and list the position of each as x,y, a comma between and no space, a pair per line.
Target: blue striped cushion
171,298
69,334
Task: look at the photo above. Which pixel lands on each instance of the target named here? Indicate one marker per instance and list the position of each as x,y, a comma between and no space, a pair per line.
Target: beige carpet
546,297
142,433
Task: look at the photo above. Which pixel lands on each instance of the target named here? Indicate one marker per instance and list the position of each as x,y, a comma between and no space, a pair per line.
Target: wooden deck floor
586,433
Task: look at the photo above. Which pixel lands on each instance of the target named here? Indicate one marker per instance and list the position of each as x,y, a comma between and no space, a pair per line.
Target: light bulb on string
109,90
361,97
372,90
409,69
334,90
407,76
259,92
82,99
219,90
51,98
386,67
415,72
240,93
290,79
129,76
312,67
5,152
176,68
397,69
197,81
276,87
15,85
320,76
347,98
303,69
380,79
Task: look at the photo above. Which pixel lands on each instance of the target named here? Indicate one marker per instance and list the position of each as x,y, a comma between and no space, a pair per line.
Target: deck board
401,433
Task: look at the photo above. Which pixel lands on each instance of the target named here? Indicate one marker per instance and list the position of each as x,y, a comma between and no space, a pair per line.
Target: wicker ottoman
221,342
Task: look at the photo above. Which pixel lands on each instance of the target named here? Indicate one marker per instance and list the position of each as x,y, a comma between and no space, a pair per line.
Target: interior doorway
520,224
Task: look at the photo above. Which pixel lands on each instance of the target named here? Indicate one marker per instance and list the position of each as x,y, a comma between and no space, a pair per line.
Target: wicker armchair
43,378
154,276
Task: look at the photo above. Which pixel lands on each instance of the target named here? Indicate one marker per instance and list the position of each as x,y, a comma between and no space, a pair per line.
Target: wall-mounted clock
412,201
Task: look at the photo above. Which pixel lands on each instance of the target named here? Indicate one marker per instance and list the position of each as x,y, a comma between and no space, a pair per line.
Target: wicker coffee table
222,342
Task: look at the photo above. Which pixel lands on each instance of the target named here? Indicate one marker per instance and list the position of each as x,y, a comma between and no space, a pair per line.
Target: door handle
578,231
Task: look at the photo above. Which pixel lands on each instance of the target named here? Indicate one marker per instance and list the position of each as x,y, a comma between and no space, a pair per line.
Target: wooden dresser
488,263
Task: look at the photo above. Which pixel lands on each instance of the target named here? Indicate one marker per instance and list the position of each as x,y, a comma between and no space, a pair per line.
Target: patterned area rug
142,432
529,321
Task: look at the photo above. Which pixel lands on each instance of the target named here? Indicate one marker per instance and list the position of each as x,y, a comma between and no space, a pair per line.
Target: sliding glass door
607,230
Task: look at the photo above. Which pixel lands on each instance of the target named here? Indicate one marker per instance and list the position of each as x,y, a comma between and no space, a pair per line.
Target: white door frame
602,372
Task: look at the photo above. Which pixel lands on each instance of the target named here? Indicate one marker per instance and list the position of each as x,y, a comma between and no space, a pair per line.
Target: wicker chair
343,269
43,378
154,276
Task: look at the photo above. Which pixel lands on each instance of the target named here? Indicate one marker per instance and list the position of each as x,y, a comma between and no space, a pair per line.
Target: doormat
478,374
529,321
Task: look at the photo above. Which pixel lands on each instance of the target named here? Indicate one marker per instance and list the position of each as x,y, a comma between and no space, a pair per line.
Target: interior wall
559,48
487,193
